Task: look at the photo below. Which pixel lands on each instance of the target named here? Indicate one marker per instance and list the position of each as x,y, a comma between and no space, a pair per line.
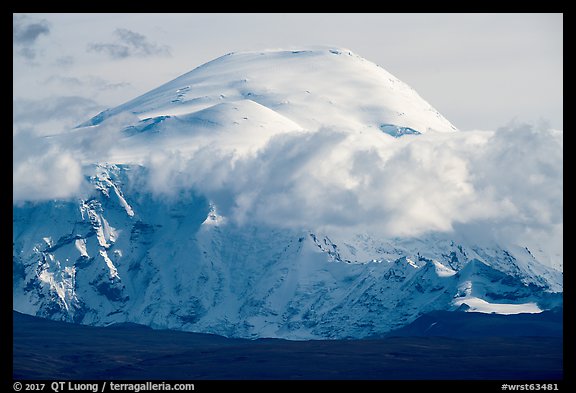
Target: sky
481,71
498,77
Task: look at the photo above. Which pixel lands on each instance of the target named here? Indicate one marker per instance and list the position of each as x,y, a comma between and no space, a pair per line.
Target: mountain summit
310,87
270,194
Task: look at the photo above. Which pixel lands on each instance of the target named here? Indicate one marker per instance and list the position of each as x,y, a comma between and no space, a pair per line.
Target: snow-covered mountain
161,235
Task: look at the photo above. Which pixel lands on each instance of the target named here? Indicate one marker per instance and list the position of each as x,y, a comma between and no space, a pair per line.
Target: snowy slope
116,258
161,235
312,87
241,100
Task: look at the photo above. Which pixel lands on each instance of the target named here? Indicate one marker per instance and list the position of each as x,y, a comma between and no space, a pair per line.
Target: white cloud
488,181
504,185
51,167
52,115
93,146
42,171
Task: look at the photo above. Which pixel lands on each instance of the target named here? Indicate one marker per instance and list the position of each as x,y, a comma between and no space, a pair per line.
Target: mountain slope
232,200
312,87
179,265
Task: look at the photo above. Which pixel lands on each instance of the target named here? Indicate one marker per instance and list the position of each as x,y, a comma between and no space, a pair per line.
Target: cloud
53,114
65,61
25,33
503,184
42,170
129,44
52,167
96,144
47,167
91,81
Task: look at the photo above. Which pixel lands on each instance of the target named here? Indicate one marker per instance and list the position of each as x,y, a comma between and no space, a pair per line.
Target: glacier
161,235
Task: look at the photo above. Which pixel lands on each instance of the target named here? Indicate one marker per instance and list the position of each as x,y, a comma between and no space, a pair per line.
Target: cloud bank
504,185
406,187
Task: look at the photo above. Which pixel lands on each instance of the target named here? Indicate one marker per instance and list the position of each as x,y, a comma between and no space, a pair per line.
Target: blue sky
481,71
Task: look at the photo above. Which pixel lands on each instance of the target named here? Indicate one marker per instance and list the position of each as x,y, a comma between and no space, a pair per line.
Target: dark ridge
128,325
45,349
475,324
